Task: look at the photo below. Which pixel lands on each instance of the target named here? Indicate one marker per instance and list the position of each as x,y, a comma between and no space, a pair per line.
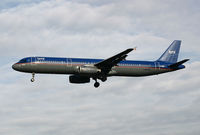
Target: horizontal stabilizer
178,63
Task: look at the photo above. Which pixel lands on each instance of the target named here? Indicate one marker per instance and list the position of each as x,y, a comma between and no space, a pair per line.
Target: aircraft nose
15,66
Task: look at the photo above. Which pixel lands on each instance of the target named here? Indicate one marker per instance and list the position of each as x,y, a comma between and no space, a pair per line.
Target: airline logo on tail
172,52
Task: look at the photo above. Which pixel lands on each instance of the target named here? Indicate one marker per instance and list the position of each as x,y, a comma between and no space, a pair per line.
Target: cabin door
69,62
157,65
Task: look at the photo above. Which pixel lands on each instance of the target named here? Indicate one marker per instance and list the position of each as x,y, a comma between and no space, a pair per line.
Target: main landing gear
33,77
97,84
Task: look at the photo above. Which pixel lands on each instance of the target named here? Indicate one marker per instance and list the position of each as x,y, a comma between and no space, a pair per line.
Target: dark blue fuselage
69,66
81,70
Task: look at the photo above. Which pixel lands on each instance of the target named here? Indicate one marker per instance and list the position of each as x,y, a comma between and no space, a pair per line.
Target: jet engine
88,69
79,79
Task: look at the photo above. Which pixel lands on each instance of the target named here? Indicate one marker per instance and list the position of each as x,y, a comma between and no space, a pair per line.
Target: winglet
134,48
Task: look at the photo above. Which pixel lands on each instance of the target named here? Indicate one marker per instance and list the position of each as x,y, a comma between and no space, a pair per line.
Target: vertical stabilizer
171,54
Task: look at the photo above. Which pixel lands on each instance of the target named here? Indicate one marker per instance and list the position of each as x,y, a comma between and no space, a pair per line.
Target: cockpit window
23,61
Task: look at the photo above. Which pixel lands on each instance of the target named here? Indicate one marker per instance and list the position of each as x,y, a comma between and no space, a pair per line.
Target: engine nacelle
88,69
78,79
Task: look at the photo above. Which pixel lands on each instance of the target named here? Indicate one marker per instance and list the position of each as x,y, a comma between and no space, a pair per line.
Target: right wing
107,64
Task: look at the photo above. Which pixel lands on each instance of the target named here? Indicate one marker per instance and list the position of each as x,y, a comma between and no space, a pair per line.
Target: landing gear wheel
32,79
96,84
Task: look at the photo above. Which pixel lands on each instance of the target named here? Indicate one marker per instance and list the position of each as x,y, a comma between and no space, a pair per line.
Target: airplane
81,70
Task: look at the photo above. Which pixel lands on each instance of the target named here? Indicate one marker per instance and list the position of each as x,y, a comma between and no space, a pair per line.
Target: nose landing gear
33,77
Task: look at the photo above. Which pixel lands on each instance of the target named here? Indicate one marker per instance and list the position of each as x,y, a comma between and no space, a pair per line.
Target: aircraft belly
49,69
68,69
135,71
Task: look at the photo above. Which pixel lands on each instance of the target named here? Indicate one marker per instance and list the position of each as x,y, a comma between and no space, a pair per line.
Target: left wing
107,64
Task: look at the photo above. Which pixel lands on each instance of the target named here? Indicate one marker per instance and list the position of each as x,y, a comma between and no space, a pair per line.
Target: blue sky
156,105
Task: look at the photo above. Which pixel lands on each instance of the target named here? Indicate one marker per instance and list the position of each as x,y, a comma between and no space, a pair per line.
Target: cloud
41,28
6,4
124,105
163,104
